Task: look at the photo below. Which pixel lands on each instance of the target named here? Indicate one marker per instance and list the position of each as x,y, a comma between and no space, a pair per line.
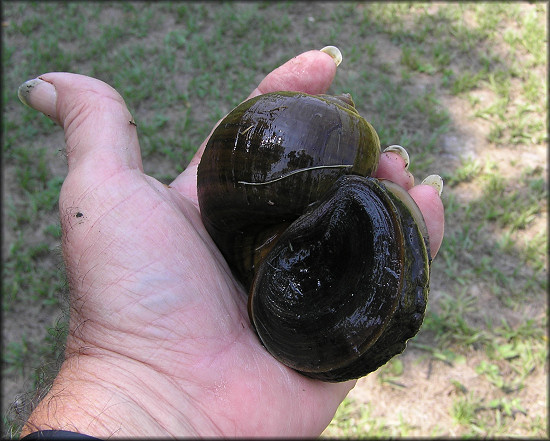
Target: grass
355,420
486,418
182,66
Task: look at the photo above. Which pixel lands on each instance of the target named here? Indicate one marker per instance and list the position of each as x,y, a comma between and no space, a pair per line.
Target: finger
99,129
310,72
428,199
394,164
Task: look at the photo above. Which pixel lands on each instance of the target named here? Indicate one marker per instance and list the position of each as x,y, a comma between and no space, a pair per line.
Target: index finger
311,72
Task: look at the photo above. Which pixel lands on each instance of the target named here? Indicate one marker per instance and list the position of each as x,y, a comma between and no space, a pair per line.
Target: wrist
105,395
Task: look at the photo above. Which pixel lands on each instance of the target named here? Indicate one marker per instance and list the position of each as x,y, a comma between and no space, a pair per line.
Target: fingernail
334,52
39,95
401,152
435,181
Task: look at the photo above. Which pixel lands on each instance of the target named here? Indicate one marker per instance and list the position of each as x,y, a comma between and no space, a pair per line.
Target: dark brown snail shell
337,262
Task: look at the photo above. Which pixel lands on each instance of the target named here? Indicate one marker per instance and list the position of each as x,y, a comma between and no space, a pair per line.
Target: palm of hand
155,289
152,298
149,285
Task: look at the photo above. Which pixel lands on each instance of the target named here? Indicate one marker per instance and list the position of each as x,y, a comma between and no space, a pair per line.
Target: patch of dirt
426,400
424,394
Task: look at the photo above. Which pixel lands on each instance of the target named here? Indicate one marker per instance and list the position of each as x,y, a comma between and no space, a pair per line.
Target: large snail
336,262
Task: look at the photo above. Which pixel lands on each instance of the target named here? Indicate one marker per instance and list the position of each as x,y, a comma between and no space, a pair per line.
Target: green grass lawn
462,86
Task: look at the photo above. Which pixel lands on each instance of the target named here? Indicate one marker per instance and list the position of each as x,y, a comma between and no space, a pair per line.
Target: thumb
99,129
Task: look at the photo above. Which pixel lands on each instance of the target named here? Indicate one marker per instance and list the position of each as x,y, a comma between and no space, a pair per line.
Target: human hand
159,338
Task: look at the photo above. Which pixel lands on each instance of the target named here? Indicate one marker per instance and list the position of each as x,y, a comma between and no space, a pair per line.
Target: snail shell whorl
264,140
337,265
345,285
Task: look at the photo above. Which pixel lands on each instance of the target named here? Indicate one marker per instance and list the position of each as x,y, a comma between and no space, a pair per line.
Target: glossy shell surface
336,262
345,285
249,176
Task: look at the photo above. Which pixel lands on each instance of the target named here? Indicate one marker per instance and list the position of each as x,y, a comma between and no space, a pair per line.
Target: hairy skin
159,340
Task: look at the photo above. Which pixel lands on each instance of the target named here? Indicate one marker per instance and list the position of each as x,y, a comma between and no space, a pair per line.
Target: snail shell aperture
336,262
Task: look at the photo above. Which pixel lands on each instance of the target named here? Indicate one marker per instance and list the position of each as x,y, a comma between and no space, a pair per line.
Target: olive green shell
336,263
247,177
339,311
